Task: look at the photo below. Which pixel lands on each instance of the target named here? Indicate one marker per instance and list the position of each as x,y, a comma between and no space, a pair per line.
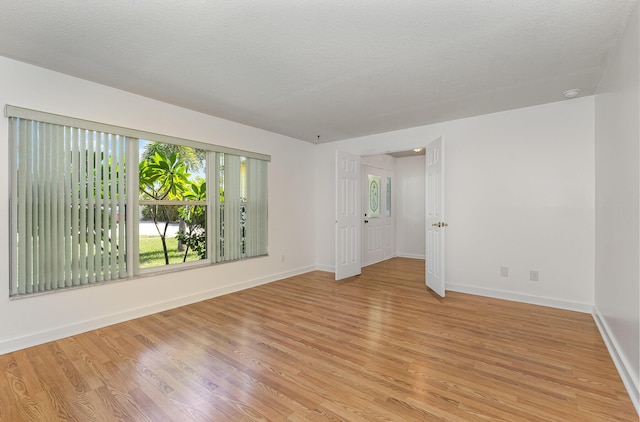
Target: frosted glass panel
388,197
374,196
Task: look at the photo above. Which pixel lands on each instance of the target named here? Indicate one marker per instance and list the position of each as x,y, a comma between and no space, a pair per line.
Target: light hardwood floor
378,347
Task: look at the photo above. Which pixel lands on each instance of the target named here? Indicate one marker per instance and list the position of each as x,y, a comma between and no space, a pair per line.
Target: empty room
337,211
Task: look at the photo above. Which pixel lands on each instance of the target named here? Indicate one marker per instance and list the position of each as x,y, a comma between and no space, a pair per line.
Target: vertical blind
231,209
67,207
243,211
70,193
256,208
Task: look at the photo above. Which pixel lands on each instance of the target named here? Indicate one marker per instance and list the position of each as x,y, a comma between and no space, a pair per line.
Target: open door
348,238
435,223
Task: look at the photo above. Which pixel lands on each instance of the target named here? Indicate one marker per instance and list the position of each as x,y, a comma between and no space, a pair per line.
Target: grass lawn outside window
152,255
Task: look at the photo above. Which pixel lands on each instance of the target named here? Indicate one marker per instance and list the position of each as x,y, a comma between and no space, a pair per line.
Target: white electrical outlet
504,271
533,275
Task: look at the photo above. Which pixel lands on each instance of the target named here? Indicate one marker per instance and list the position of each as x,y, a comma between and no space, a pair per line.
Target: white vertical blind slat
232,228
113,204
39,212
83,175
35,211
262,202
20,281
122,198
132,209
51,210
226,223
44,213
67,200
62,209
28,243
216,212
105,209
13,148
252,212
212,189
91,205
75,204
98,208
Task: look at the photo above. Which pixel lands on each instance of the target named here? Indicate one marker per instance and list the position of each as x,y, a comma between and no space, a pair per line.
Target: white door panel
348,257
435,222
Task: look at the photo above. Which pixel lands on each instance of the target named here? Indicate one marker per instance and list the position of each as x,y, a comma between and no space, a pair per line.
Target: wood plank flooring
378,347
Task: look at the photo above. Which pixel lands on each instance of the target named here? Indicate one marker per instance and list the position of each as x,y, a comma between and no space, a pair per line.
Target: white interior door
435,222
348,216
375,216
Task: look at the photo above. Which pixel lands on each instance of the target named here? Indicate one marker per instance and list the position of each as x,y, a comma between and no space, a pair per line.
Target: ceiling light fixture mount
571,93
418,150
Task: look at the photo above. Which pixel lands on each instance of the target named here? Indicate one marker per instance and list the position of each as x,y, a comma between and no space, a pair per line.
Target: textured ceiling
334,68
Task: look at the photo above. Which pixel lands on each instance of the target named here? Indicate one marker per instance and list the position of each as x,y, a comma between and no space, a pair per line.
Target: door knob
366,221
438,224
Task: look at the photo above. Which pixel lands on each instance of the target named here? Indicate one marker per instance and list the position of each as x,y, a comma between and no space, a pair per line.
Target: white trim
325,268
629,379
43,116
171,202
18,343
519,297
408,255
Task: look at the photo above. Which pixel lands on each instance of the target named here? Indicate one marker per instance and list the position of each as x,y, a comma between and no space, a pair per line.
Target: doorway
396,184
378,225
351,203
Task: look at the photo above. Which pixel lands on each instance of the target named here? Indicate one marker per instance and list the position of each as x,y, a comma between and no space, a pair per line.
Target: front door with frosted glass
376,227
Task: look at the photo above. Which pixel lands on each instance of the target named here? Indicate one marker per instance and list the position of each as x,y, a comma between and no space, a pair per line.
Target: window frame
133,201
133,186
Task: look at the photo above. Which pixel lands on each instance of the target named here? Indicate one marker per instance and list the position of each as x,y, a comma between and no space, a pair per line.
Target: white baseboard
629,379
34,339
519,297
330,269
408,255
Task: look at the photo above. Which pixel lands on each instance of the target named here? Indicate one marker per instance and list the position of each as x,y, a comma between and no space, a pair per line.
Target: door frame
358,196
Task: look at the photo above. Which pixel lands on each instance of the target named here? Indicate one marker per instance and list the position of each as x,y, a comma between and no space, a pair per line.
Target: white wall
291,189
519,193
382,161
410,206
617,262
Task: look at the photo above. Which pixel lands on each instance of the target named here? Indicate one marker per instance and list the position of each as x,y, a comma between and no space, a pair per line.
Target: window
173,204
92,202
